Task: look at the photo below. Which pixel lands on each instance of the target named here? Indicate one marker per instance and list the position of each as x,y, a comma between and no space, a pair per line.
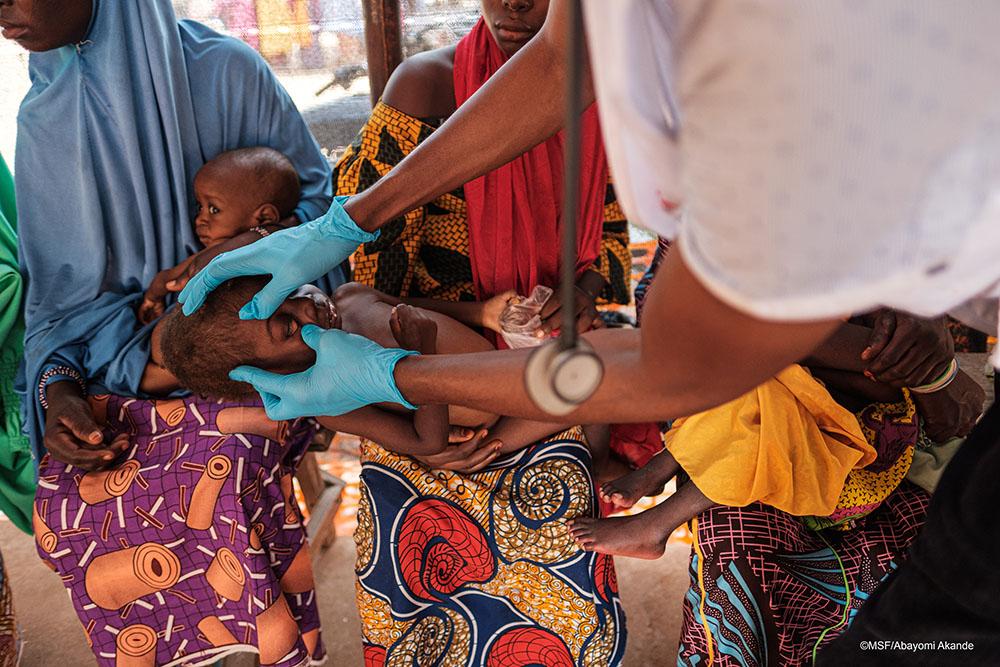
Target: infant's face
277,341
225,208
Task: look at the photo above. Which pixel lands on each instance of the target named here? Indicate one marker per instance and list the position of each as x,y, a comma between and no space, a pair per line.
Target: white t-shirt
831,155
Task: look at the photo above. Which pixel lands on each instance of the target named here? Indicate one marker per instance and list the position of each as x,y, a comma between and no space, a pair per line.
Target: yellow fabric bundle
786,443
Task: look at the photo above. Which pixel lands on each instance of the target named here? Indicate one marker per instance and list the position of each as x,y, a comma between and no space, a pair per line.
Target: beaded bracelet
260,230
943,380
54,372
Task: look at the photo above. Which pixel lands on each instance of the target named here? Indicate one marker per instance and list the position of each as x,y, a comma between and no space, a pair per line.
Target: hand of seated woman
466,456
907,351
585,306
71,433
953,411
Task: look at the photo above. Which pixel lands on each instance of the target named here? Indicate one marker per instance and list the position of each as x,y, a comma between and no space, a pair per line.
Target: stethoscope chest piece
559,379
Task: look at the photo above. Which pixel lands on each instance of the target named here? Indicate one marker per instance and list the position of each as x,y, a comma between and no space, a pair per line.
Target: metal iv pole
565,372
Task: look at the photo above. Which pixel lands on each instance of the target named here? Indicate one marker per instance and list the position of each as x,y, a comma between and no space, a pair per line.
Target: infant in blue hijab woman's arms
247,189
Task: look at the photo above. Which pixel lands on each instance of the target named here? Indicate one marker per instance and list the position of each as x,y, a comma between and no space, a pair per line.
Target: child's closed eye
285,326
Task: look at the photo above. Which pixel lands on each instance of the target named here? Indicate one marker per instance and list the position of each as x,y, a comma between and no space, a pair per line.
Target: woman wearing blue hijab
117,121
126,104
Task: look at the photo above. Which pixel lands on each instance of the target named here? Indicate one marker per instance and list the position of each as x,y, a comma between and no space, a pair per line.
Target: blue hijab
110,136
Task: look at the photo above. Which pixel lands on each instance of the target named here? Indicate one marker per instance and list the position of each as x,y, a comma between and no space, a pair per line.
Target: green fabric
17,470
929,463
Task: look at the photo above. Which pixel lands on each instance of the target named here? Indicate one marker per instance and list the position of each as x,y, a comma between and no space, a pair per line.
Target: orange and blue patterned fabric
479,569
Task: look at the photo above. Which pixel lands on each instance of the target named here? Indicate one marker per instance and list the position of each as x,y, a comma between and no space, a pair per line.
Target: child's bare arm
421,433
154,300
855,385
453,337
515,433
483,314
839,365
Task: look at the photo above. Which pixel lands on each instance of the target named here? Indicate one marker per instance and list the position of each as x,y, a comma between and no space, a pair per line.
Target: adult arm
709,354
422,433
954,410
700,353
472,142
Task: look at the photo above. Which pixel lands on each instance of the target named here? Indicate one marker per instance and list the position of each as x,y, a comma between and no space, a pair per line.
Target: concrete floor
651,591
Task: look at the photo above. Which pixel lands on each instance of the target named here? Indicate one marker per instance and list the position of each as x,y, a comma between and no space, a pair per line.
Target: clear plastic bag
520,319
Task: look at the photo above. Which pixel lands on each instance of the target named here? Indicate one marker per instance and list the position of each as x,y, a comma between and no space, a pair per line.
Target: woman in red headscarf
478,561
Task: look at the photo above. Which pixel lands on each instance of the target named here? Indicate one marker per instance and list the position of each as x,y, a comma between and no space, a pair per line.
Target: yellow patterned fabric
480,569
426,252
893,430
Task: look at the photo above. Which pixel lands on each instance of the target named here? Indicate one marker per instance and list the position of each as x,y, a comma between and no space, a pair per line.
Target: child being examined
243,190
789,443
202,349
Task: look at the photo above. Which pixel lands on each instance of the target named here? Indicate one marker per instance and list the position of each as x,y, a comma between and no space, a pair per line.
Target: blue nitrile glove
350,372
293,257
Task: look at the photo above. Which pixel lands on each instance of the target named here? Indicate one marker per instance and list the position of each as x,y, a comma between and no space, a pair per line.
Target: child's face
277,341
225,207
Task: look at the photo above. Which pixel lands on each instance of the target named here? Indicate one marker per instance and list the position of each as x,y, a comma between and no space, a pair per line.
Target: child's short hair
202,348
272,174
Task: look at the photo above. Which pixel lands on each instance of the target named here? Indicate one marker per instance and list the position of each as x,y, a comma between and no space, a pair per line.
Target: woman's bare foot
634,536
648,480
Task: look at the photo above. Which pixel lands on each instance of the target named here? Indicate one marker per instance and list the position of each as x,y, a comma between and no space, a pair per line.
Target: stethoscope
566,371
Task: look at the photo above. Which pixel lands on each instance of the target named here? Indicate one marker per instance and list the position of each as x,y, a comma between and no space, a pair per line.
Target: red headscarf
514,211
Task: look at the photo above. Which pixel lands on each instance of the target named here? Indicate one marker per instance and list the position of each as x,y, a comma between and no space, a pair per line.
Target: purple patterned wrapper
192,546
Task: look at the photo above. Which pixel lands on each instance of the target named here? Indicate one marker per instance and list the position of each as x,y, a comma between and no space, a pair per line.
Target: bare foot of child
643,535
413,329
621,536
645,481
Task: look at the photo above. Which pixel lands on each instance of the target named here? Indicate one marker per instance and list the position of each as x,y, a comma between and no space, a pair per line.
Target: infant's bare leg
645,481
599,442
643,535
